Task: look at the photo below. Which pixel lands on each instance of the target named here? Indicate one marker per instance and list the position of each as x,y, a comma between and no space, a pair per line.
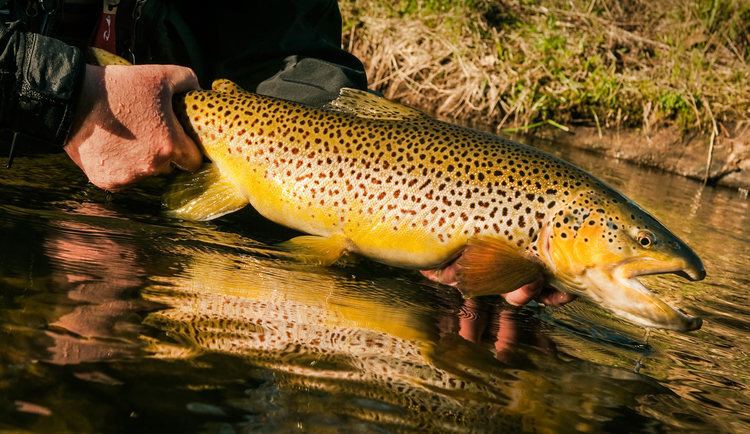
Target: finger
164,168
182,79
447,275
524,294
553,297
473,321
186,154
506,334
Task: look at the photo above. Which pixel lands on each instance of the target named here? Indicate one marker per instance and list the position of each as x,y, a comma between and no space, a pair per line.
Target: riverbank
668,149
660,83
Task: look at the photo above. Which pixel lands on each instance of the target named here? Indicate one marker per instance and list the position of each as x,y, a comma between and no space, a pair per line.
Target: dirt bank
670,150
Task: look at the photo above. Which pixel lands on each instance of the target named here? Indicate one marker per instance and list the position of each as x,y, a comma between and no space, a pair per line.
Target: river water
114,318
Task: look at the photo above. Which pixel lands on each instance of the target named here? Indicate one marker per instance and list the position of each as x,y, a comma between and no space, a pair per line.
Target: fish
369,176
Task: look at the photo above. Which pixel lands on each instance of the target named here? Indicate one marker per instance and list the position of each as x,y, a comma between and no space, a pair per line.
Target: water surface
114,318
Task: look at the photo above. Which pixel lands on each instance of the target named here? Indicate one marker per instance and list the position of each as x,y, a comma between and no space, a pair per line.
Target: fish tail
101,57
203,195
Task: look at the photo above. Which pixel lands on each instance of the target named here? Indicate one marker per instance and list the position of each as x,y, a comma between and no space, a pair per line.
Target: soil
673,151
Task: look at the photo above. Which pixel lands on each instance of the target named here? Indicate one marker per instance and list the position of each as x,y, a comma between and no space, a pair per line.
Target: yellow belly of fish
279,199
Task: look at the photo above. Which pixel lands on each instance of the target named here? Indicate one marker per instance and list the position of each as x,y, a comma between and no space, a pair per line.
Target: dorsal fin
226,86
366,105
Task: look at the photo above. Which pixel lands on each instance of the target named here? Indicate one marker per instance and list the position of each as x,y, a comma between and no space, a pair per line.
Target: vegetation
521,64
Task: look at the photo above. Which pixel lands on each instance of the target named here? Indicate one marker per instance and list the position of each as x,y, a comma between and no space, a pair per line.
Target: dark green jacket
285,48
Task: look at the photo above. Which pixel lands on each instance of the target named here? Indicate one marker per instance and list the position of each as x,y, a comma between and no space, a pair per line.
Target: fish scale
408,191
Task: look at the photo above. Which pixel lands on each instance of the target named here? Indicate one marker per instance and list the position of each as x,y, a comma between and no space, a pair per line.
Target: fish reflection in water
396,361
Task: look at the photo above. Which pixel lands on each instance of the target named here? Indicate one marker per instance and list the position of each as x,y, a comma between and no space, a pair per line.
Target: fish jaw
617,289
596,254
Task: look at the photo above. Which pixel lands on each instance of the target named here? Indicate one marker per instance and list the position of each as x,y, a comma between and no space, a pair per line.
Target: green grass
634,63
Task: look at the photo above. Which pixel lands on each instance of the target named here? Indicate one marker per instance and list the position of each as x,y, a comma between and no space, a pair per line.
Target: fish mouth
691,268
617,289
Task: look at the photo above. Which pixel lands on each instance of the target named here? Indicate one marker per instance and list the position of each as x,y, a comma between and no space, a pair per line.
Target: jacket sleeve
40,80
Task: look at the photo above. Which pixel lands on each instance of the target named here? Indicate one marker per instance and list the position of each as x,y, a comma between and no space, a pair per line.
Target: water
116,319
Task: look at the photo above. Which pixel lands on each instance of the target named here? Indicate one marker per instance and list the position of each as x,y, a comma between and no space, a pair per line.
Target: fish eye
645,239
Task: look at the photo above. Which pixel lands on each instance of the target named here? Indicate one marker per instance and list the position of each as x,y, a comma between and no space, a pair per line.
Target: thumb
186,154
182,79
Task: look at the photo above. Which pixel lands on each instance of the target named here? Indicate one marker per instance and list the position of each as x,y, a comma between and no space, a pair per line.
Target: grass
516,65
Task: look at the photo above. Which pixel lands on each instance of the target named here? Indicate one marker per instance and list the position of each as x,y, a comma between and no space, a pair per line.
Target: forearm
40,82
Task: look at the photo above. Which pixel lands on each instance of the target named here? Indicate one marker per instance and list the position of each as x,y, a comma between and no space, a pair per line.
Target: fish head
597,246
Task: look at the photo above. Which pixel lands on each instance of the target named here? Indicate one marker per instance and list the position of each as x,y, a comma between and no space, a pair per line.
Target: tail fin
103,57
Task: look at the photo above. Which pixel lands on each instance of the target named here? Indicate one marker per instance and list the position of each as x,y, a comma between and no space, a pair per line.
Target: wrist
50,72
68,121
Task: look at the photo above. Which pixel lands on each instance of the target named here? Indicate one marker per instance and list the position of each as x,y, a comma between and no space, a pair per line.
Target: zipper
49,8
137,11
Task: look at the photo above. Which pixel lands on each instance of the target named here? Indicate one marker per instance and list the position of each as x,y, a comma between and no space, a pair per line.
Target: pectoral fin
203,195
317,250
493,266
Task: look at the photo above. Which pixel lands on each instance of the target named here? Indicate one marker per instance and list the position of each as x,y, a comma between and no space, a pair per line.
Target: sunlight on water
113,318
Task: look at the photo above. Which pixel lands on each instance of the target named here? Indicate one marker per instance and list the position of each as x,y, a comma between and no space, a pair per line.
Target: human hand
536,290
125,129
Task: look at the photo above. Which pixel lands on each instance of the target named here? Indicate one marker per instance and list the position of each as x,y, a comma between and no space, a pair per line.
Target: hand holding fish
125,129
536,290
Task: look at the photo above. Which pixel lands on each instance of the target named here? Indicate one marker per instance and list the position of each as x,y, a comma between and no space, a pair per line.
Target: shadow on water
113,318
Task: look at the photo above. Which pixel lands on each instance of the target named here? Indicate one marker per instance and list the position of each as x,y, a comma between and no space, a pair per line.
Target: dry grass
517,65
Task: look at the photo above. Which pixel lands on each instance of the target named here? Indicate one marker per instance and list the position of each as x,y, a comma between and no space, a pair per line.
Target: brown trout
370,176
